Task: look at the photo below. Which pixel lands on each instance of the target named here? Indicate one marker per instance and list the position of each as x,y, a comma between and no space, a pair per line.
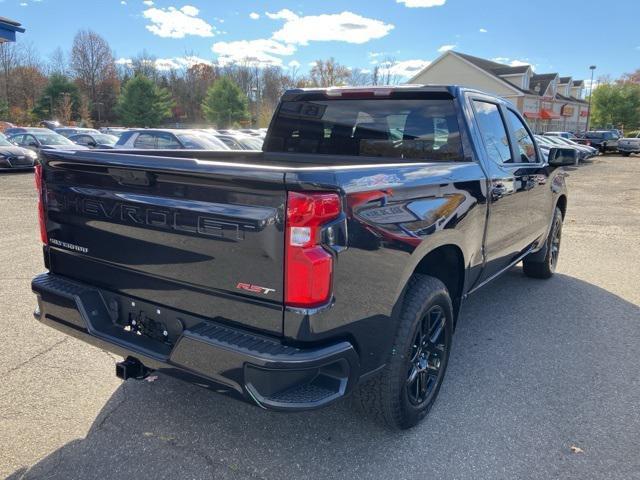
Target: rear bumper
256,367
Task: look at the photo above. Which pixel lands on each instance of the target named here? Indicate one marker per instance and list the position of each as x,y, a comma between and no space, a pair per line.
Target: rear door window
420,129
525,147
493,131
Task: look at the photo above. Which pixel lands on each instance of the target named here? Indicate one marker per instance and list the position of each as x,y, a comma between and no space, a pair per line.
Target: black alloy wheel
427,357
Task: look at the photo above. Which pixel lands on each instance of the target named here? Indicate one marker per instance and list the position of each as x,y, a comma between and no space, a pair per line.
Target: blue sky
563,36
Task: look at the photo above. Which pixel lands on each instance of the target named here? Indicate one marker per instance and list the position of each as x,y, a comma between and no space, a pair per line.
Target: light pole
592,68
98,105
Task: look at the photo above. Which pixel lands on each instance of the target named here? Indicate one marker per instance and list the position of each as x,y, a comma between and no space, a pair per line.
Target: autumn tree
197,80
143,104
64,109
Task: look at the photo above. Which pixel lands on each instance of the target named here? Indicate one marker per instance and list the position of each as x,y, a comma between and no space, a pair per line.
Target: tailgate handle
131,177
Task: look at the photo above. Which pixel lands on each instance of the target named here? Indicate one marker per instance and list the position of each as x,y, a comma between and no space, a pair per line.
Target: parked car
336,259
13,157
559,134
50,124
94,140
546,146
167,139
5,125
13,130
588,150
569,136
603,140
629,145
584,152
548,143
117,131
250,131
241,142
44,139
68,131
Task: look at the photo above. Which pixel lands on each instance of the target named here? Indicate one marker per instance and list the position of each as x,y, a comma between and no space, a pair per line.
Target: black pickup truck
336,261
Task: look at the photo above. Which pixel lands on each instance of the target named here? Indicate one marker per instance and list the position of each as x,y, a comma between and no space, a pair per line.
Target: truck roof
381,91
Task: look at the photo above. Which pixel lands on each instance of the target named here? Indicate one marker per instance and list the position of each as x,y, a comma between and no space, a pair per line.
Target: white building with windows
548,101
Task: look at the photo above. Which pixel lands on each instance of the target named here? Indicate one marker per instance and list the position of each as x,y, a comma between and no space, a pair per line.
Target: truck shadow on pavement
537,366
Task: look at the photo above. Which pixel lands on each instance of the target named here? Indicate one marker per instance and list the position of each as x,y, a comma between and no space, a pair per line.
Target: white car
629,145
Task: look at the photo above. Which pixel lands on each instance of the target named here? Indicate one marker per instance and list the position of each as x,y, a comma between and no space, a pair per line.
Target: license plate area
138,319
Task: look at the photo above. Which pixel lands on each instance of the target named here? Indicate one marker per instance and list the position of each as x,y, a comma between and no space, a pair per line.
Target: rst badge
255,288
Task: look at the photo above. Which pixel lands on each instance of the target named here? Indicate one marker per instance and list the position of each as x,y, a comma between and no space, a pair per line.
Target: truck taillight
308,266
40,188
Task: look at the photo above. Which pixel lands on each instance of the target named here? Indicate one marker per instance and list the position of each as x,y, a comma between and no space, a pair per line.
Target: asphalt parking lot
538,367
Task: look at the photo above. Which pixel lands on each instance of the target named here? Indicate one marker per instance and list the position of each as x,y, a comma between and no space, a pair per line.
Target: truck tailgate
203,237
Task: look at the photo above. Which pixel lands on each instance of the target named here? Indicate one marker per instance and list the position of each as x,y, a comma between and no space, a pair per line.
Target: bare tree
92,62
8,61
58,63
328,73
386,73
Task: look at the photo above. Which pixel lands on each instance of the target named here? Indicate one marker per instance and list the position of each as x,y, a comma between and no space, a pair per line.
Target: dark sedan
15,158
49,140
94,140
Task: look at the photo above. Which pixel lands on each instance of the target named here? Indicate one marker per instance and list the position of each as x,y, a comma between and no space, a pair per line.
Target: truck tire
545,267
404,392
626,154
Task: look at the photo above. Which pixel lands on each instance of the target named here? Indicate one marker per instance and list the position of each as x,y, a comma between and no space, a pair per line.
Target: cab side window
525,147
493,131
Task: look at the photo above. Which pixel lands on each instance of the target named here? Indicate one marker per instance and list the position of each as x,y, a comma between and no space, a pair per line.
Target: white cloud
163,64
483,30
261,52
254,16
343,27
190,10
148,3
422,3
404,68
177,23
293,64
446,48
123,2
24,4
510,61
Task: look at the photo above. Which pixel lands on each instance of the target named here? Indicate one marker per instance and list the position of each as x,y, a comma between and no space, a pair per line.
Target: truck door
540,197
508,229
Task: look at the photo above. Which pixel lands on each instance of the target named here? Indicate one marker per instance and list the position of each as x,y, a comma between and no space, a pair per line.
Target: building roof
493,67
8,29
540,83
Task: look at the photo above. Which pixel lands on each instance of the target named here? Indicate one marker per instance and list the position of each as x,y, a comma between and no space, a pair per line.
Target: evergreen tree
58,87
225,104
143,104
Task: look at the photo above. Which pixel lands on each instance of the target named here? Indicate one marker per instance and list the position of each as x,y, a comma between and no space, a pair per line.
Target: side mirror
92,144
562,157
